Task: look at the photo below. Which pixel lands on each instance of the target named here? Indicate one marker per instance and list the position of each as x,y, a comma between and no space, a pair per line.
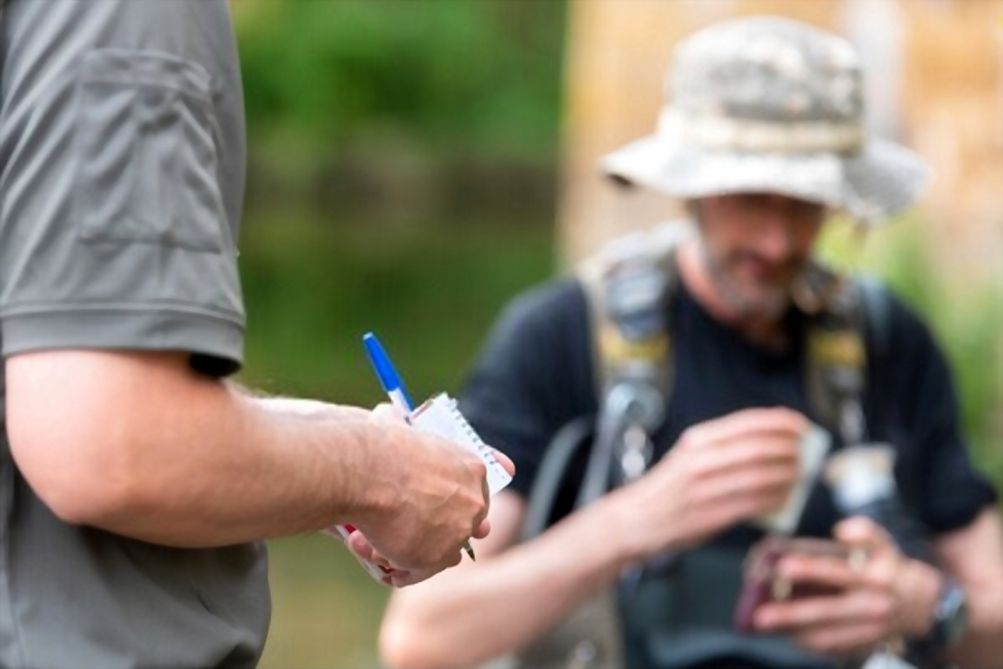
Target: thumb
504,461
389,412
862,533
482,530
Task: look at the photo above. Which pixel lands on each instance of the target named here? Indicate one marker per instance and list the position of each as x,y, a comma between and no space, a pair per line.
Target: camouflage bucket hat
768,104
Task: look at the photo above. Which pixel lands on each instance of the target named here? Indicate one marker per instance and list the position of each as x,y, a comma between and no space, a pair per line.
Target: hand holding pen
438,499
393,385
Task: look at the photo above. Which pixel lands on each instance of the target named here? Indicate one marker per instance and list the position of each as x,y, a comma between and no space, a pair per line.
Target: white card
813,448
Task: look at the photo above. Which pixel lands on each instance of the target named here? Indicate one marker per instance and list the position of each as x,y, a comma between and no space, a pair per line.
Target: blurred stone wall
935,82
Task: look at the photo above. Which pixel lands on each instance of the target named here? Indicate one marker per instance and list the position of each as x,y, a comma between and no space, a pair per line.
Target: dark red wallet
762,582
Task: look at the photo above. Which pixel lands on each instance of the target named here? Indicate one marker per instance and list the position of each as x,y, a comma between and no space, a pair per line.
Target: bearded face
754,246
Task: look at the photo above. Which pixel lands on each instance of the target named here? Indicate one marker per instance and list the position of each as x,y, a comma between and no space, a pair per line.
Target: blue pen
393,385
385,372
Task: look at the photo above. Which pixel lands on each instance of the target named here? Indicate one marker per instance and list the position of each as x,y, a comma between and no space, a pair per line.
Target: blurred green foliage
430,291
444,73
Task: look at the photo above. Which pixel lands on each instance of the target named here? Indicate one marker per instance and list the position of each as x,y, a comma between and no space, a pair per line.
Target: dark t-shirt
536,374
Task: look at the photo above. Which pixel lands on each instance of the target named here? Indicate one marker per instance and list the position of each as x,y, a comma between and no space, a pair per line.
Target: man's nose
775,241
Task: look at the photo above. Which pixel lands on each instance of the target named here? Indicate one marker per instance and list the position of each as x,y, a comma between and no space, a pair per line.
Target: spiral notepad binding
441,416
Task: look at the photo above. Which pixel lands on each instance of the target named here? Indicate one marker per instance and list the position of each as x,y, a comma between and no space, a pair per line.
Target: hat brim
872,184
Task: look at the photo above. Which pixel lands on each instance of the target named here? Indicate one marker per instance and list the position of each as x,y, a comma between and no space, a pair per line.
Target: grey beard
769,307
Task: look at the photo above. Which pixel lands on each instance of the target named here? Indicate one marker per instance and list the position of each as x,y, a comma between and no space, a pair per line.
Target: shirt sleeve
935,473
532,377
121,174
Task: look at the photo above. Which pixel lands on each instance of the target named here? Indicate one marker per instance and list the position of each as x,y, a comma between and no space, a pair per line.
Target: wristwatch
950,622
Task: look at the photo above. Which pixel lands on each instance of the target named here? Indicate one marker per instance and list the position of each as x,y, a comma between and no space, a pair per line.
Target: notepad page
441,416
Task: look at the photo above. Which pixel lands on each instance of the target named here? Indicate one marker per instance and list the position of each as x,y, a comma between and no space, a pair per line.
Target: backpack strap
877,311
576,435
628,289
841,311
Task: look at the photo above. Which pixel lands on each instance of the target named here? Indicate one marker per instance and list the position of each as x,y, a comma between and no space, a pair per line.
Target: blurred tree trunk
935,82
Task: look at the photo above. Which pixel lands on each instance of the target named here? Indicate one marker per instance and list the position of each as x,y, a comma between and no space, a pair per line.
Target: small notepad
441,417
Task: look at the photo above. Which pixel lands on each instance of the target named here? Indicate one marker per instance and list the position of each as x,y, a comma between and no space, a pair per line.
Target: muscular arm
974,556
140,445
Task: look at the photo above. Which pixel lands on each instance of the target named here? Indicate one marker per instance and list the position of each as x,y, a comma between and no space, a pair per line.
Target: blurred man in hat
716,352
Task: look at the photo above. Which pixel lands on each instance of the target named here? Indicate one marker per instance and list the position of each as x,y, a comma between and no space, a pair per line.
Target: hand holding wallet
762,579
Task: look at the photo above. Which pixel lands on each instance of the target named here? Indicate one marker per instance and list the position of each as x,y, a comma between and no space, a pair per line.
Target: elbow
89,429
87,478
404,646
86,502
78,507
398,644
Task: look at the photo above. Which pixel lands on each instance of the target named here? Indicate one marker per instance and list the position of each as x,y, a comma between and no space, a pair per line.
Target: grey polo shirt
121,181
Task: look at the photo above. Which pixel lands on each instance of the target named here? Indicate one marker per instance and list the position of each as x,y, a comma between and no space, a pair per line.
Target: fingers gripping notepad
441,417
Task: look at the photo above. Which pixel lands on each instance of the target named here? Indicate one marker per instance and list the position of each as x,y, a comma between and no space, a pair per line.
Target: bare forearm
920,592
982,646
974,556
505,602
144,447
230,468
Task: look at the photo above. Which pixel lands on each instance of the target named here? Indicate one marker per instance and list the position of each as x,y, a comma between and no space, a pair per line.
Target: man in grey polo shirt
133,480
